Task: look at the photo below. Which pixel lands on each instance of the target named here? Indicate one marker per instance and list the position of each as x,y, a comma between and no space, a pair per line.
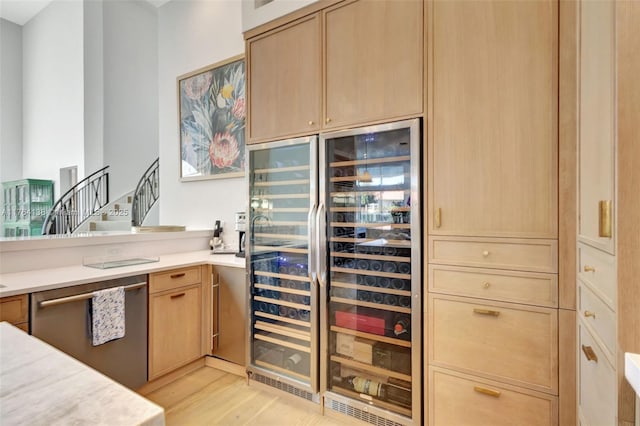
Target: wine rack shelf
283,249
281,342
281,370
282,169
390,243
383,372
362,303
373,273
282,276
370,336
282,236
283,289
380,257
286,303
375,225
282,183
282,210
291,321
393,291
283,331
370,162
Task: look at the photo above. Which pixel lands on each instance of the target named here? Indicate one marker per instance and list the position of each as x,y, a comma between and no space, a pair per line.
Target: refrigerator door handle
321,245
313,266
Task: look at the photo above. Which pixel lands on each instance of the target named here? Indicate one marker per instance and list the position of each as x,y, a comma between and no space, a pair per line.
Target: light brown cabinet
492,222
229,340
175,320
355,63
493,125
284,69
15,310
373,61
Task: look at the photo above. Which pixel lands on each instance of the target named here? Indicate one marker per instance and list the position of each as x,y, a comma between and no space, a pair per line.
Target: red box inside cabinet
360,322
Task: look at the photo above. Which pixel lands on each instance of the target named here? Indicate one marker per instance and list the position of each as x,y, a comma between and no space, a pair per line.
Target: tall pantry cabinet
608,246
492,179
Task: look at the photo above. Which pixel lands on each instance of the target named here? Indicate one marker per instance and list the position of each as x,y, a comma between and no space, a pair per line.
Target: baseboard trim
229,367
171,377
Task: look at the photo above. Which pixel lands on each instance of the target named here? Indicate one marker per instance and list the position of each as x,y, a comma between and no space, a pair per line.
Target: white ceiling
20,11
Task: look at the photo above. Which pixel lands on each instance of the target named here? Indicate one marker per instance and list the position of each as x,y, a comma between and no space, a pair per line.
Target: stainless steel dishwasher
61,318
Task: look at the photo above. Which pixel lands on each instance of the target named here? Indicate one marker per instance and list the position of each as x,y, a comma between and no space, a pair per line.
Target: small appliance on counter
216,243
240,228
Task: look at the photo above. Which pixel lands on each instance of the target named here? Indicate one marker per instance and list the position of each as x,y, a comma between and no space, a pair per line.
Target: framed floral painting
211,109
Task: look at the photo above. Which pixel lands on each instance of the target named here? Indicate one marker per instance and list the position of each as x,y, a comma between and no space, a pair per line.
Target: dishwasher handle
83,296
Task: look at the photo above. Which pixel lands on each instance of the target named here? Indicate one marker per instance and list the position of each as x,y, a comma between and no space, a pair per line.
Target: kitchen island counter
43,386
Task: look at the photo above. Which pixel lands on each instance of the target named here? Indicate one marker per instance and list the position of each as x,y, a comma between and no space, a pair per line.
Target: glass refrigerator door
282,200
370,189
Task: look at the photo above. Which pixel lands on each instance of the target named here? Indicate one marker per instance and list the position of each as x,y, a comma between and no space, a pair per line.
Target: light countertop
632,370
46,279
43,386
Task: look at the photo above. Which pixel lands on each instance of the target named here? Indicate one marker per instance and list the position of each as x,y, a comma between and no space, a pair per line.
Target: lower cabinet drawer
597,388
163,281
507,286
602,320
459,399
598,269
516,344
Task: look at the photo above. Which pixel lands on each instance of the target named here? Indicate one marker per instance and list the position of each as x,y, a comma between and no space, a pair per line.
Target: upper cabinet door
493,118
285,78
596,174
374,61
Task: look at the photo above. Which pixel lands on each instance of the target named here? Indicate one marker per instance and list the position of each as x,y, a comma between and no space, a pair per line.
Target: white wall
130,91
10,101
53,91
93,87
192,35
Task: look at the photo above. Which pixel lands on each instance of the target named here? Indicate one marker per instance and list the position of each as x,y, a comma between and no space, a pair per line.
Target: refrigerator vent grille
285,387
359,414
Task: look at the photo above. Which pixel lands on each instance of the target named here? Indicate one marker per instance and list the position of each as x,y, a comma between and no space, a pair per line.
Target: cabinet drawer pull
604,228
485,391
175,296
486,253
486,312
311,123
588,314
486,284
174,276
588,268
589,353
328,120
437,217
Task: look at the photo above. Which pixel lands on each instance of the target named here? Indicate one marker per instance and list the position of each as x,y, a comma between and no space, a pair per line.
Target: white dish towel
107,315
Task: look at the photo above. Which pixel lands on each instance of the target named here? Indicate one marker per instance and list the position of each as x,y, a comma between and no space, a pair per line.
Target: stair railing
78,204
146,194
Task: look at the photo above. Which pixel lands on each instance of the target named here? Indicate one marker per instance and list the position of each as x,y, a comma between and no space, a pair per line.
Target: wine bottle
389,267
390,299
376,265
369,280
404,268
363,264
383,391
384,282
398,284
404,302
401,326
364,296
377,298
293,362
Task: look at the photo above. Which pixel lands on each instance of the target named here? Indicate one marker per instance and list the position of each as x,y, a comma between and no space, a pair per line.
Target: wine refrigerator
334,269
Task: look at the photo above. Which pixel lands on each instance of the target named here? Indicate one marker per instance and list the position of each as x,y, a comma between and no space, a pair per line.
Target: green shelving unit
26,204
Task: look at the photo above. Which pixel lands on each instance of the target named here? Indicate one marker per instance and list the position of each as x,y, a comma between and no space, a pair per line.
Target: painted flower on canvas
212,121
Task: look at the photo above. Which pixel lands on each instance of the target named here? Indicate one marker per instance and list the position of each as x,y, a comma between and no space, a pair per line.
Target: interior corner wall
93,87
53,92
10,101
130,92
192,35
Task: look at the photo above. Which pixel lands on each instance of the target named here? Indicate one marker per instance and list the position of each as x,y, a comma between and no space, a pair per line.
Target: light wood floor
212,397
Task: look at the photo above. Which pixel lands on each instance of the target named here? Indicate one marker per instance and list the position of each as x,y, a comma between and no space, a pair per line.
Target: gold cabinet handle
589,353
486,312
604,216
588,268
311,123
328,120
437,217
175,296
486,284
588,314
485,391
486,253
174,276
